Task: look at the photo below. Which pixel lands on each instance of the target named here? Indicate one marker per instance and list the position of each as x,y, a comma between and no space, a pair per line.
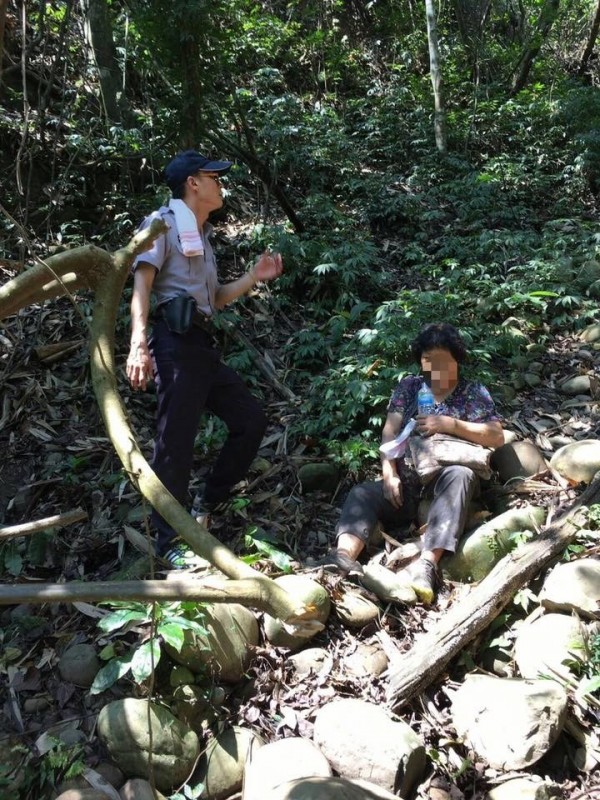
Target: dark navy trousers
190,379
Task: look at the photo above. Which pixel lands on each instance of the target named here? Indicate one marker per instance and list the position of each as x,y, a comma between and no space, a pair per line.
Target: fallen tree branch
57,521
259,593
464,621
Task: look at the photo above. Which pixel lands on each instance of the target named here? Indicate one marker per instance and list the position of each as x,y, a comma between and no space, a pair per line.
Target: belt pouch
178,313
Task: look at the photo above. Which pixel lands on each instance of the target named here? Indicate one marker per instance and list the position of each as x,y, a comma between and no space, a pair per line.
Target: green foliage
189,792
266,548
497,236
167,622
593,515
42,771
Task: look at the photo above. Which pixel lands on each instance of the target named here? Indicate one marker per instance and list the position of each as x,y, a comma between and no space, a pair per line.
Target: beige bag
430,454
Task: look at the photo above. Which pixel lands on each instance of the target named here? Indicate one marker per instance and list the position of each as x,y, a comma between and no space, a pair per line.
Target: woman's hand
392,490
428,424
268,266
140,368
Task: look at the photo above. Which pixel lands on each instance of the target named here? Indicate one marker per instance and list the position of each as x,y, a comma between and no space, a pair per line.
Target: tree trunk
433,651
548,16
471,16
3,7
98,30
591,42
439,120
193,92
262,171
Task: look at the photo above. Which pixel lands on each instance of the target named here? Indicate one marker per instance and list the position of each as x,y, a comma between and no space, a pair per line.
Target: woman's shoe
423,578
338,561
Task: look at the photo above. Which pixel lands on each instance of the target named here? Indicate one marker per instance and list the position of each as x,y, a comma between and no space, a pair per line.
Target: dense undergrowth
497,235
327,107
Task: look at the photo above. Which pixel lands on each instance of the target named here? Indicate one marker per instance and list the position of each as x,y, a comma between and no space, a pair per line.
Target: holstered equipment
181,313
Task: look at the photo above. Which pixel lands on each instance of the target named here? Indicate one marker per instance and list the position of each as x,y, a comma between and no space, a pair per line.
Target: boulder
226,649
579,461
591,333
313,659
545,646
139,789
124,730
594,289
532,788
587,273
79,665
480,550
82,794
328,789
574,586
282,761
193,705
322,477
367,660
361,740
511,724
181,676
306,591
518,460
222,766
391,587
355,610
578,384
111,775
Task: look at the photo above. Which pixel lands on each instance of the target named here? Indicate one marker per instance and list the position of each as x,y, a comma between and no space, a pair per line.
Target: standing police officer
181,272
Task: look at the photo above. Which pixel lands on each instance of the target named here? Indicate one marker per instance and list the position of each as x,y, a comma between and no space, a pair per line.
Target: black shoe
203,511
337,561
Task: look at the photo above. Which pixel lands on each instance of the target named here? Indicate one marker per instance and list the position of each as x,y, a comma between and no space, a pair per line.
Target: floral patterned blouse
469,401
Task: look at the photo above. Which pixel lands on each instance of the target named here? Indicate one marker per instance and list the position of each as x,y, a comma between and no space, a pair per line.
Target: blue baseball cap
189,163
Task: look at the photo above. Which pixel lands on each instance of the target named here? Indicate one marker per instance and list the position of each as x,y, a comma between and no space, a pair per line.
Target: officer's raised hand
268,266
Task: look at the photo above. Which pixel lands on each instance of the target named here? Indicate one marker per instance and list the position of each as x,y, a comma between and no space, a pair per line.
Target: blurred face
440,368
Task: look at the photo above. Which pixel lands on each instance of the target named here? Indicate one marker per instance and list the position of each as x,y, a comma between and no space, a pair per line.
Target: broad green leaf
110,674
589,686
118,619
145,658
187,624
280,559
172,633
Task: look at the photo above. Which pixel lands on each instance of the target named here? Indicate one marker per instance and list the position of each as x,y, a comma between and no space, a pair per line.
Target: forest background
388,214
411,162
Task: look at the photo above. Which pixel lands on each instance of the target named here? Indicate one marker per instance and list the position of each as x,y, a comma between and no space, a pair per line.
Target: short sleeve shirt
469,401
178,274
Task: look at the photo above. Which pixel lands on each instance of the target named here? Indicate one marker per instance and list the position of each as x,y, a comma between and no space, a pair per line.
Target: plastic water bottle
425,400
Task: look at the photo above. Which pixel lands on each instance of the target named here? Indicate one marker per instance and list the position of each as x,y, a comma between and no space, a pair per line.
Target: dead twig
57,521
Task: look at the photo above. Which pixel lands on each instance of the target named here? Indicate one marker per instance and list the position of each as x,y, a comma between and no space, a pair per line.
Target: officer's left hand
268,266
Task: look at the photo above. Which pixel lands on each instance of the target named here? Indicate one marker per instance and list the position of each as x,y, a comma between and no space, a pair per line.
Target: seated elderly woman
464,409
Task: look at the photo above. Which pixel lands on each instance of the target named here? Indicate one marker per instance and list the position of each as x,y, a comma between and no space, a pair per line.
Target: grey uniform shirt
178,274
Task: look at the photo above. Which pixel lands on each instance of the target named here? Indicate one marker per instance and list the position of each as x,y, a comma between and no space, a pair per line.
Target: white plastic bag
397,446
